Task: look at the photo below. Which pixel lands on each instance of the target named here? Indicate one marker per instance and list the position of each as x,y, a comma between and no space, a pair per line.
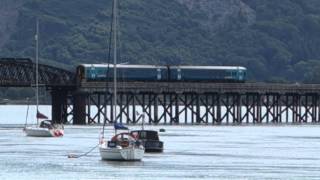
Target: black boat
149,139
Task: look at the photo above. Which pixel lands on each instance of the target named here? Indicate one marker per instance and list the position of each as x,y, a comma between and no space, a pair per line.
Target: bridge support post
79,109
59,106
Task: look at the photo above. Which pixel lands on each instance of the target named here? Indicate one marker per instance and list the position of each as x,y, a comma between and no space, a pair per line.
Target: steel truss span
20,72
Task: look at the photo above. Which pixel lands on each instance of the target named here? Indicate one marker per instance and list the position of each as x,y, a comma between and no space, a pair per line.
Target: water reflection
118,164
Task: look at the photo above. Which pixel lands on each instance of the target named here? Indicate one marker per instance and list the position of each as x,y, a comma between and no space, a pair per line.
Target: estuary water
191,152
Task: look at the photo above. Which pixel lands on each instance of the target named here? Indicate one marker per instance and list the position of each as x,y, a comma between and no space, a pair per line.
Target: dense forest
276,40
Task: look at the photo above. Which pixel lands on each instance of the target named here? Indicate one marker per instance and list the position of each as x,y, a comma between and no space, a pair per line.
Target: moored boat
46,129
121,147
149,139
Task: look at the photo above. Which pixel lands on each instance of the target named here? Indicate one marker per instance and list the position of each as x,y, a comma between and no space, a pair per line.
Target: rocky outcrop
222,14
9,11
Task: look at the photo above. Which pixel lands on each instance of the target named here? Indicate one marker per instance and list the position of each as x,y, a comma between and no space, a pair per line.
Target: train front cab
238,75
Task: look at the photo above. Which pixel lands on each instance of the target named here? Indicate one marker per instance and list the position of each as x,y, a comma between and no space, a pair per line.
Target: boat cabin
146,135
46,124
123,140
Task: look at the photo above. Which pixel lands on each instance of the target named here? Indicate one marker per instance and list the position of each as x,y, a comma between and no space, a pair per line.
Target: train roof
211,67
121,66
158,66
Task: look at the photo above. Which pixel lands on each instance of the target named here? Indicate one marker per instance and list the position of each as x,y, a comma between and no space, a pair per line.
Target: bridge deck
183,87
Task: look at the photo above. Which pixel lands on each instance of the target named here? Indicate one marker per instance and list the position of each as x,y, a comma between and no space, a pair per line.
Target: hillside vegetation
278,41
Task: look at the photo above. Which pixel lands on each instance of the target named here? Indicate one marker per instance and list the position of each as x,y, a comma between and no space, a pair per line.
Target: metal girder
16,72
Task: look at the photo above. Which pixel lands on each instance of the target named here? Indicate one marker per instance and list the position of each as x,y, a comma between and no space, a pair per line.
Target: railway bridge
167,102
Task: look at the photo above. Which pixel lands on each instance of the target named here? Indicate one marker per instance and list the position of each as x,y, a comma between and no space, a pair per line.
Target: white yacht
44,128
123,146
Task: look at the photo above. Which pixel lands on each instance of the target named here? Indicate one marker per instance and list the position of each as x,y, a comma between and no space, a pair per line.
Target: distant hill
278,41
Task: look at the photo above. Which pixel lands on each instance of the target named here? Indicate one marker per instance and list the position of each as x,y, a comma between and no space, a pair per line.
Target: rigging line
108,68
110,35
122,75
84,154
115,61
37,67
118,59
119,27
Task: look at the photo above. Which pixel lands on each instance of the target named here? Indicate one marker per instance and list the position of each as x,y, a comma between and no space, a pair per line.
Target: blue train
104,72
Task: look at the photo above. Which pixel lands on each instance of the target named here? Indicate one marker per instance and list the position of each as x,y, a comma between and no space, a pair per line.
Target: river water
191,152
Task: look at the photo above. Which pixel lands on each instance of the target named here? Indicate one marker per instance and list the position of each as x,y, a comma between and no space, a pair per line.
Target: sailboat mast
37,68
115,59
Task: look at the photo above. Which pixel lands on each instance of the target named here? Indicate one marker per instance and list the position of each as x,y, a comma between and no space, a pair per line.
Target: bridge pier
59,106
79,109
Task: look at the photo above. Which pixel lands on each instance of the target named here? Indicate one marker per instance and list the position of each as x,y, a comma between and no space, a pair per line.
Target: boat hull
42,132
121,154
152,146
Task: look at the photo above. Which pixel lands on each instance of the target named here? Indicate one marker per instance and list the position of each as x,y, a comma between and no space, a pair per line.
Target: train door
179,74
93,73
158,74
232,75
241,75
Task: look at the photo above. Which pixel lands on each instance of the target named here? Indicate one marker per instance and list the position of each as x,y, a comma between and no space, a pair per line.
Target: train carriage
103,72
208,73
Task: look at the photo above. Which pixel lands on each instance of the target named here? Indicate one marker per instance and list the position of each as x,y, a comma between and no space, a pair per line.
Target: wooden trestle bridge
203,103
167,102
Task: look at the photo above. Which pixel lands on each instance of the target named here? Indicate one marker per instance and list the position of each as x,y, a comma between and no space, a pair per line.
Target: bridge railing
203,87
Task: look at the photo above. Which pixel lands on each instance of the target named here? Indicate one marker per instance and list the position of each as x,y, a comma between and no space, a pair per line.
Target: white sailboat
123,146
45,128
